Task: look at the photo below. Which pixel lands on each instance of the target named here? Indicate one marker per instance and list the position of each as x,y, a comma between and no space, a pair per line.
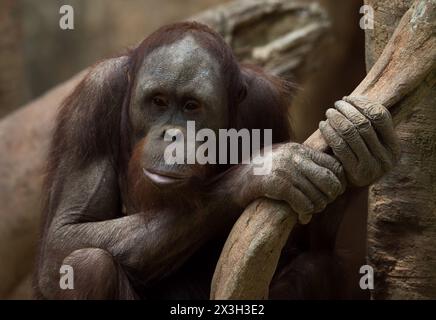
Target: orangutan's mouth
163,178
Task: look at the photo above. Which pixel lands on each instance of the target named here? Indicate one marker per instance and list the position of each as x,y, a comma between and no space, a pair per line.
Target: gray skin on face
179,75
179,72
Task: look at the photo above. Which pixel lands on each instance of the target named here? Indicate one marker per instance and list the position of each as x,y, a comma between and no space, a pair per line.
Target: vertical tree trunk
402,206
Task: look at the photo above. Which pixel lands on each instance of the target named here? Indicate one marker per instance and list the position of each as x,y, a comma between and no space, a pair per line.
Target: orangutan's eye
159,101
191,106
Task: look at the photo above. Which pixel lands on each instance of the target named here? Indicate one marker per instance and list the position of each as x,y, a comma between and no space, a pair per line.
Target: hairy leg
96,276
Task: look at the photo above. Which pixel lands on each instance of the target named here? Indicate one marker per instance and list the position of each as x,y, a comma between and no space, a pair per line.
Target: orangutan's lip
162,178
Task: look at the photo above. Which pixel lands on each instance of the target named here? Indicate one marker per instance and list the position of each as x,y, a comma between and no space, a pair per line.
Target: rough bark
402,205
250,255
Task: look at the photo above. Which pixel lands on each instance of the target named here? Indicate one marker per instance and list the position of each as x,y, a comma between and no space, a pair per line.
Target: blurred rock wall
102,28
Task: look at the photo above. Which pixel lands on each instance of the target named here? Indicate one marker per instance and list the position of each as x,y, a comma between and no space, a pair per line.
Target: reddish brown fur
98,132
93,121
